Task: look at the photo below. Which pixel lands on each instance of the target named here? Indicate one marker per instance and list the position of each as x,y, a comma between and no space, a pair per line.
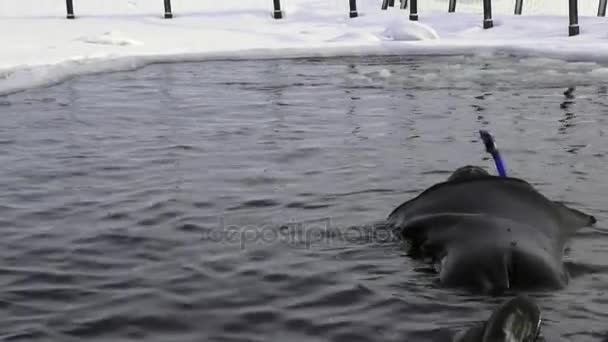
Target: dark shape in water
489,233
517,320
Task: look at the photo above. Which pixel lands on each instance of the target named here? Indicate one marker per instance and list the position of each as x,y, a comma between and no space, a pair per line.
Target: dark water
191,202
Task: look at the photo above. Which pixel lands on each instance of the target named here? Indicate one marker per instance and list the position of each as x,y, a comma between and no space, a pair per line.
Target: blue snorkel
491,148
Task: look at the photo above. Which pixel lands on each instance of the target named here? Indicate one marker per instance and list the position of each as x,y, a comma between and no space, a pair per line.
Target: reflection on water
243,201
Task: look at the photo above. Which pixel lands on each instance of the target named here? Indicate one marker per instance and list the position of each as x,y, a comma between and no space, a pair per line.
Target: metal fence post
384,4
277,13
391,3
168,13
70,7
452,6
403,4
414,10
519,4
573,29
487,14
601,10
353,8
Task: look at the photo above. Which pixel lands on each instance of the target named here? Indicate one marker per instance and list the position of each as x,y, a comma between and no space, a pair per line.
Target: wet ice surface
163,204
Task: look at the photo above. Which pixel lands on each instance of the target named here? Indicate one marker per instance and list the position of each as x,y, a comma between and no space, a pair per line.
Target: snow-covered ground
39,46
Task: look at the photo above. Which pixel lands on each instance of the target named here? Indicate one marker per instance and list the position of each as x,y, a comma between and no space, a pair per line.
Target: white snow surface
41,47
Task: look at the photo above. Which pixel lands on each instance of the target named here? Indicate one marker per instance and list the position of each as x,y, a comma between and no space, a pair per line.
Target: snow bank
110,38
111,35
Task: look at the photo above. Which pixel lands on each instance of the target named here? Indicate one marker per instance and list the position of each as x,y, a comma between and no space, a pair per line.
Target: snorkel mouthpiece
492,149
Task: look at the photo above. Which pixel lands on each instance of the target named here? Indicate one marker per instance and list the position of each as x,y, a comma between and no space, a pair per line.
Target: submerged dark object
516,320
489,233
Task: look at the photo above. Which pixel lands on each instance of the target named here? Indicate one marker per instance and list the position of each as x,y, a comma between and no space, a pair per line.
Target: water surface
231,201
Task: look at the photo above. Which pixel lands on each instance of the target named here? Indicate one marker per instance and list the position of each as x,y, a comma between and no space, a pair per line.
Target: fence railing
277,13
413,7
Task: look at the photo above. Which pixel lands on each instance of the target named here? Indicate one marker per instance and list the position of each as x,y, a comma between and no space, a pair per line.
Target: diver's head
467,173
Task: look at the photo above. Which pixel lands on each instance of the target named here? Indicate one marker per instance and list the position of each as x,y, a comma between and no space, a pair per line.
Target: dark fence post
403,4
70,8
384,4
519,4
353,8
414,10
168,13
487,14
601,11
452,6
391,3
277,13
573,29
